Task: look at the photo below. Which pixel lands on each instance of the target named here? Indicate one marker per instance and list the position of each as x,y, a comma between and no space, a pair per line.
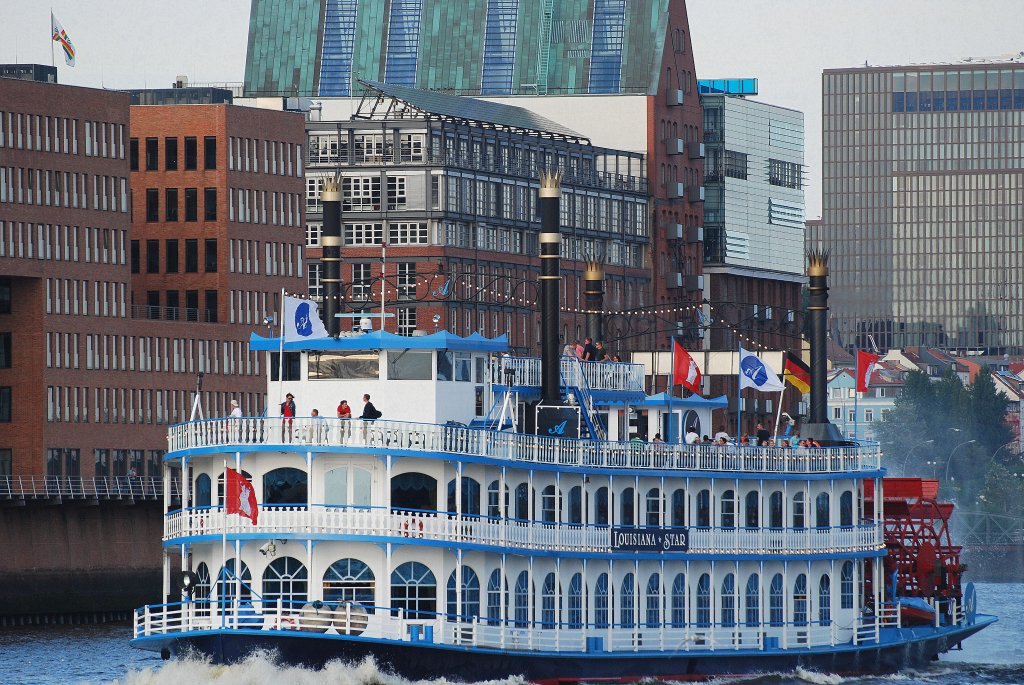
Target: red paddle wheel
920,550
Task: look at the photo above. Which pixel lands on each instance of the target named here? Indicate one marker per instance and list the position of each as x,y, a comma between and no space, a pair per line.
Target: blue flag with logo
302,320
755,374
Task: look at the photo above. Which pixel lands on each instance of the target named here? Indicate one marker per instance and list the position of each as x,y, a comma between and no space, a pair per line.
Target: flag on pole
240,497
797,373
301,320
865,367
755,374
59,35
684,369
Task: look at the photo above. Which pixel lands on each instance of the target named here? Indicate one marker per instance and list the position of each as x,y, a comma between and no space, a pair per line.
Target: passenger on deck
344,411
287,417
589,351
692,437
369,411
721,434
657,438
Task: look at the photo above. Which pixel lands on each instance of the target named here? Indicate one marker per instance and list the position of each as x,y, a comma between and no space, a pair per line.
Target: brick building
88,384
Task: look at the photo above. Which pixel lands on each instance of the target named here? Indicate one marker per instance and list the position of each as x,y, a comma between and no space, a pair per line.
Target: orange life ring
412,528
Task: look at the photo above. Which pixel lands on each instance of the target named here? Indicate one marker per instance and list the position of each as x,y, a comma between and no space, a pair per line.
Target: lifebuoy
286,623
412,528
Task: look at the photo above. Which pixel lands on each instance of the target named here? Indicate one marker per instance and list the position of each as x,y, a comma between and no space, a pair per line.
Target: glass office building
922,205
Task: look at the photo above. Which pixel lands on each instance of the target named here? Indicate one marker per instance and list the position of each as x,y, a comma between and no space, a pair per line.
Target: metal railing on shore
81,488
403,436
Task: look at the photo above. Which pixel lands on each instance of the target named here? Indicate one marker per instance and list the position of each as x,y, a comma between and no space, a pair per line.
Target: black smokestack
593,298
818,426
330,240
550,243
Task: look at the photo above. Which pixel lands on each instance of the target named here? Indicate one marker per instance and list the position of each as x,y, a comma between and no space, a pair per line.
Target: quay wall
61,561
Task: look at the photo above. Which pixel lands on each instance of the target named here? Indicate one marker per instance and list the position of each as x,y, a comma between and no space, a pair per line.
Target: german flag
796,372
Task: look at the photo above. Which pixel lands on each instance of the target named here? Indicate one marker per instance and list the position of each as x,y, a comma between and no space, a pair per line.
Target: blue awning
660,401
382,340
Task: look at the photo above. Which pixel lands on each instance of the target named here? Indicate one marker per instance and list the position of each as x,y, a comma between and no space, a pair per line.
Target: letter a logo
558,429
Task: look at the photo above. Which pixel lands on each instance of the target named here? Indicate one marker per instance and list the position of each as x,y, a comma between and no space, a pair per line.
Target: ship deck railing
600,377
79,488
315,433
679,634
413,526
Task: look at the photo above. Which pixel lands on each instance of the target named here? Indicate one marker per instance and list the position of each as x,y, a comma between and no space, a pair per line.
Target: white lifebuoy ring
412,528
286,623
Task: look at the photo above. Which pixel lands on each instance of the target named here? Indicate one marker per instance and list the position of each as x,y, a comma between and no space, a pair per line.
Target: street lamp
993,457
950,459
906,459
933,464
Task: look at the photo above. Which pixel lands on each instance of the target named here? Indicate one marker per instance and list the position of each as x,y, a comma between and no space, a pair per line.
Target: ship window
285,485
776,612
775,509
285,580
753,600
463,367
409,365
292,365
679,508
798,510
220,486
679,601
203,488
704,508
729,509
824,600
201,592
470,590
800,600
653,601
729,600
654,507
228,583
350,580
846,585
601,507
704,601
576,505
495,507
347,486
576,602
627,516
627,617
751,507
821,518
470,497
497,597
524,508
548,602
345,365
413,491
414,590
444,366
601,601
549,504
523,593
846,508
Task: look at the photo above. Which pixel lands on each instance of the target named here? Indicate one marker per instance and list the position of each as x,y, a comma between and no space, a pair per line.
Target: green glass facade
490,47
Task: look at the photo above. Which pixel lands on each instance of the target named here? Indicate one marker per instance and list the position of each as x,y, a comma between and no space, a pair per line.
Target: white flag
59,35
302,320
754,373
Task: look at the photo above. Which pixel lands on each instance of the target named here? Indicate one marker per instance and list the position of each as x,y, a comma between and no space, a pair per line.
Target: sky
785,44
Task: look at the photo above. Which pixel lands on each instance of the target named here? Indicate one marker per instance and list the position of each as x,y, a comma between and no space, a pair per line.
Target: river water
100,655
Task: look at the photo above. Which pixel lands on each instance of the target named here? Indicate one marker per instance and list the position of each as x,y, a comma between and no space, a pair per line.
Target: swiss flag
865,366
241,498
684,368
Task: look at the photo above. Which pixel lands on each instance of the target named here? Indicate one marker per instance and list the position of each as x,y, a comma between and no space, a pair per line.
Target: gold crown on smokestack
593,270
550,182
332,185
817,262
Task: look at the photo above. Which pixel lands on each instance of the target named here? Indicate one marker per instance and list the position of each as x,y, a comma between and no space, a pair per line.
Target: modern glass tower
922,205
478,47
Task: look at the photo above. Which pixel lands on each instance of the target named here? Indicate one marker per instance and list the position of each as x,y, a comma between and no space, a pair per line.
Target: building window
152,256
171,248
173,304
361,276
211,306
406,280
135,256
191,204
210,261
5,350
412,147
5,462
191,256
313,232
171,154
153,304
133,154
152,204
210,204
171,204
151,154
5,404
869,415
735,164
210,152
406,320
401,233
5,296
364,234
785,174
361,193
396,192
316,291
191,153
191,305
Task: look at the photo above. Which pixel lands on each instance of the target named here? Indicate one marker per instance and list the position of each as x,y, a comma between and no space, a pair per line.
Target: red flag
684,369
241,498
865,366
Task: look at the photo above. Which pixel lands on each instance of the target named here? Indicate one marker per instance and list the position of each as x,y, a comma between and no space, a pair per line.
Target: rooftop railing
599,376
81,488
402,436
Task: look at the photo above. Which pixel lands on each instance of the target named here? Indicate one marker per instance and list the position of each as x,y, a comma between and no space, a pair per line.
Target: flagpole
856,392
238,545
778,415
671,386
739,399
53,60
280,352
224,538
